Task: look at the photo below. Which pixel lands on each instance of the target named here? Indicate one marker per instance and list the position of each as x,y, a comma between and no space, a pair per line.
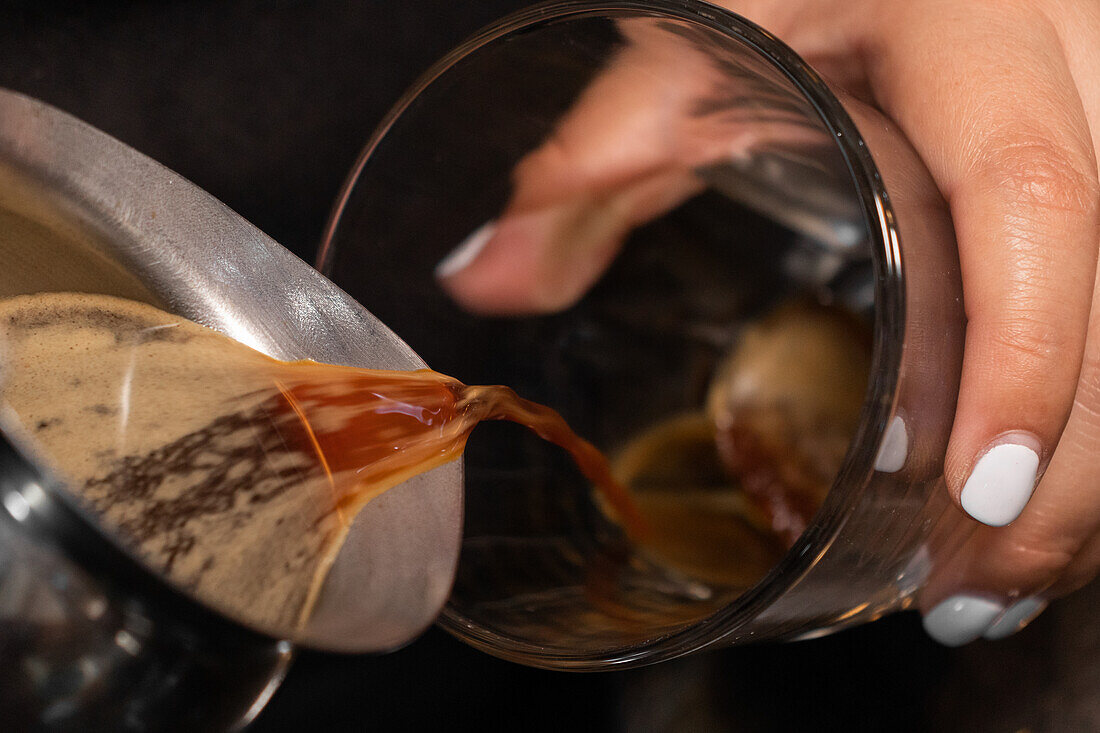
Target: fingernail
461,256
961,619
1001,484
895,447
1016,617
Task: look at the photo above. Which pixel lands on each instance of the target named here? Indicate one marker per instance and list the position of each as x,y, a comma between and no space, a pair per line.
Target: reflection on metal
89,214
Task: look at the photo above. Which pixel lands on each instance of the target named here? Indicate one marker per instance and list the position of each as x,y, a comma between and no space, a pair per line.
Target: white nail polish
961,619
1001,484
461,256
895,447
1016,617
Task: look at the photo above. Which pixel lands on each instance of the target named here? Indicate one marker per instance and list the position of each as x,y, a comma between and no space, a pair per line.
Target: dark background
265,105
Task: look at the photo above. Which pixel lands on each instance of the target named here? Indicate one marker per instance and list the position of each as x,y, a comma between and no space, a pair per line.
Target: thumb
544,260
612,164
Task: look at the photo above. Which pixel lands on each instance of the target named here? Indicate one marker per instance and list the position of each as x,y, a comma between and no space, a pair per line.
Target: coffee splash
235,474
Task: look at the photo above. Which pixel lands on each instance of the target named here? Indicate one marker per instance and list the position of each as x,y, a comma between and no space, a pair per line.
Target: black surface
265,105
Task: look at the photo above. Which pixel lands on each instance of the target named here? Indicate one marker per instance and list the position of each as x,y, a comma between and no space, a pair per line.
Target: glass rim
888,326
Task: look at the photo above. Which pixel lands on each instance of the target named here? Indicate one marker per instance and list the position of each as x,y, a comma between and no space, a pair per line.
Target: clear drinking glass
790,199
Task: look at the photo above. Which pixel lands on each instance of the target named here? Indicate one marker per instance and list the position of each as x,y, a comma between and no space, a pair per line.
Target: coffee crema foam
235,474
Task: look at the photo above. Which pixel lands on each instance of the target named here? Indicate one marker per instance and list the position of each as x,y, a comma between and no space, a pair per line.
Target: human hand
1001,99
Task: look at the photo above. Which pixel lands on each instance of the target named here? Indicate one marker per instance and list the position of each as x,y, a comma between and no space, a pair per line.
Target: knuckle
1036,329
1032,340
1039,173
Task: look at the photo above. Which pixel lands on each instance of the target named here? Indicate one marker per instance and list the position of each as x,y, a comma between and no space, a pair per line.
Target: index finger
1002,128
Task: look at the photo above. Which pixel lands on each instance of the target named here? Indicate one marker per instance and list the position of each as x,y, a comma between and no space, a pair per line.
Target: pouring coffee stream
237,475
